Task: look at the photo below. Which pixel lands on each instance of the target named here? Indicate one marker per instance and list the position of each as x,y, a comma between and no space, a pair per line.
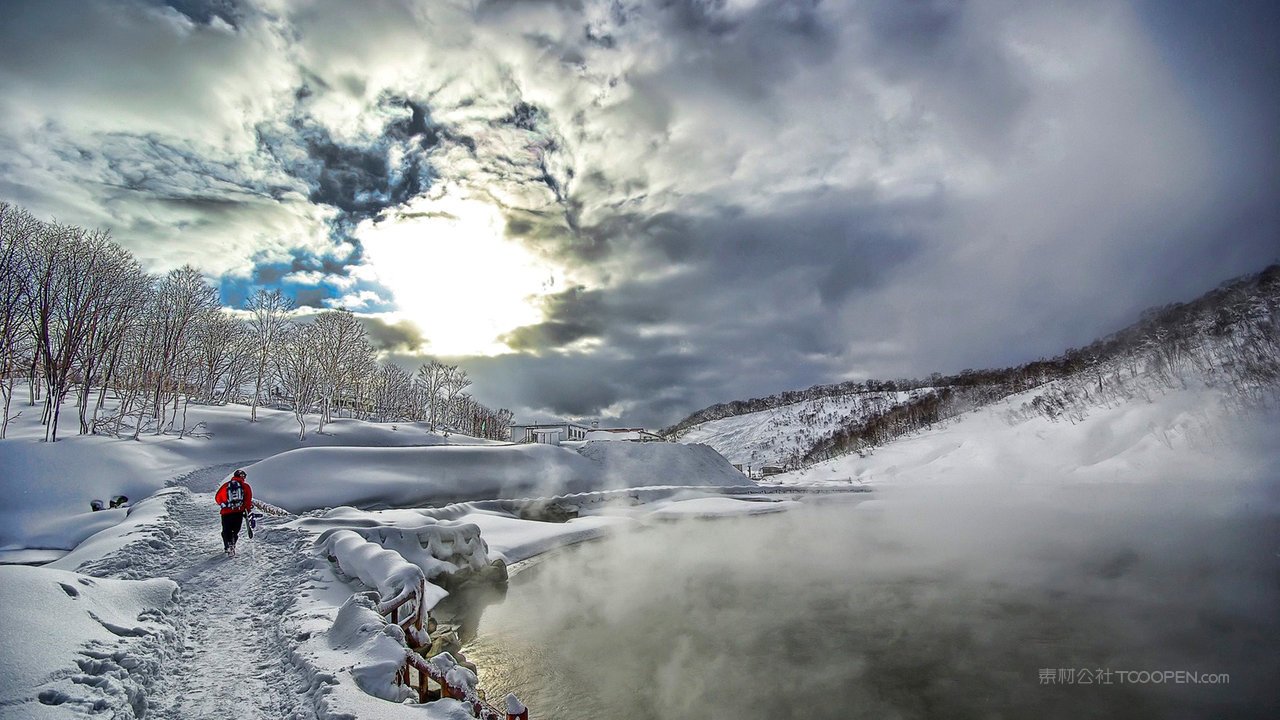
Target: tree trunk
183,432
6,386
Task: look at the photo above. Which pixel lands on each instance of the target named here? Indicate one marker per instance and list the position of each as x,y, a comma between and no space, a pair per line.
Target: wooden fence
417,671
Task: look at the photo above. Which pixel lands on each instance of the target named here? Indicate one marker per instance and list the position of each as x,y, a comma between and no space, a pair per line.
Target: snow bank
375,478
375,566
513,539
625,464
719,507
375,650
146,520
75,645
437,547
49,485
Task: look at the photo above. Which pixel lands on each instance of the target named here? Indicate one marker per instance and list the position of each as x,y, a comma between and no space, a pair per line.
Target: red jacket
226,505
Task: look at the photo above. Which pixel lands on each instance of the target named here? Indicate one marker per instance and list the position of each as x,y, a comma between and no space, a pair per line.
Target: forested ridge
1230,335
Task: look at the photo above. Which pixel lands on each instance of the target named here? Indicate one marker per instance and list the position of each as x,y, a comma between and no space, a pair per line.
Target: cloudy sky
618,209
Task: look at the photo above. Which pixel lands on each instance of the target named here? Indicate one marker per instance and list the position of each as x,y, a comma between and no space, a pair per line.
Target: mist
923,603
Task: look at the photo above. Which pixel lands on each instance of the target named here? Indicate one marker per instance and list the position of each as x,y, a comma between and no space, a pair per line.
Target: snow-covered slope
406,477
402,477
48,486
1196,432
775,436
629,464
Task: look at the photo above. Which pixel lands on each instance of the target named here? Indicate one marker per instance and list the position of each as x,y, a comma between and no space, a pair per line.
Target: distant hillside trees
77,312
1228,337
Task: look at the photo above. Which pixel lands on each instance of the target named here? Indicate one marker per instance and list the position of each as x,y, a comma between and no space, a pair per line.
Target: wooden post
418,621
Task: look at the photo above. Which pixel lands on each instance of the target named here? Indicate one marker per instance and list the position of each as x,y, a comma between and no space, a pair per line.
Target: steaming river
920,605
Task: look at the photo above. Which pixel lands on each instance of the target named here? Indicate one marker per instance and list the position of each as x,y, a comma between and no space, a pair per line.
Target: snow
627,464
376,649
771,437
119,642
718,507
405,477
513,540
1194,433
49,485
376,566
74,643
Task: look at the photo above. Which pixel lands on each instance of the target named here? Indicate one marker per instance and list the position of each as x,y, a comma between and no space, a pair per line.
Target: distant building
768,470
629,434
556,432
550,433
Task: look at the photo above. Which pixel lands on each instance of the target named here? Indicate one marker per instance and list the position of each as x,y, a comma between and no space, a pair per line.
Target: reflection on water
946,607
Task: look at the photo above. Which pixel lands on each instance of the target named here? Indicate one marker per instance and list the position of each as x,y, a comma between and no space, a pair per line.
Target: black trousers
231,523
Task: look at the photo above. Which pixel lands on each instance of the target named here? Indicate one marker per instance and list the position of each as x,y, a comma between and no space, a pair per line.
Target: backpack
235,495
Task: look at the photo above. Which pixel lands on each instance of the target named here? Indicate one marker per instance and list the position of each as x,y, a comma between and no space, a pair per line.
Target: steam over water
923,604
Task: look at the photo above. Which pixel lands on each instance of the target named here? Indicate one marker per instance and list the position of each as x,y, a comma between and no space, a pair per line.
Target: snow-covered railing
456,682
269,509
393,576
410,597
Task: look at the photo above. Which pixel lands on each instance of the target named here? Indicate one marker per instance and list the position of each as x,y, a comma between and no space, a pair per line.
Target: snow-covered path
233,659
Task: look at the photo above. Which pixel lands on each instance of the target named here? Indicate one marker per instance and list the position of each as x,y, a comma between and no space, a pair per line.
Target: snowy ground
149,618
146,617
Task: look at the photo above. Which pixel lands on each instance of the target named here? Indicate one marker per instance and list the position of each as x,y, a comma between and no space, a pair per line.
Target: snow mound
375,566
50,485
113,631
378,648
719,507
627,464
374,478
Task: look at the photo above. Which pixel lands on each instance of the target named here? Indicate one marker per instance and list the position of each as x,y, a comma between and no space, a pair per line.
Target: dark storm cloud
312,297
205,11
359,179
398,336
745,196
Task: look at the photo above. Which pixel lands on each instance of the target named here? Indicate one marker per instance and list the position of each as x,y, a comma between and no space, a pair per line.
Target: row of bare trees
79,315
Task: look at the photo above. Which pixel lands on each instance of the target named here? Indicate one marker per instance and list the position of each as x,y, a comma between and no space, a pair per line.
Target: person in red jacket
235,499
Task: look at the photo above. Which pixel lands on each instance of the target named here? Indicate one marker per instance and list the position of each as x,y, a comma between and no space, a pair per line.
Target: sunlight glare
454,274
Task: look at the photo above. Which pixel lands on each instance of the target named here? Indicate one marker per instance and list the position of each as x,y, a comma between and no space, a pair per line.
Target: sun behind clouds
455,275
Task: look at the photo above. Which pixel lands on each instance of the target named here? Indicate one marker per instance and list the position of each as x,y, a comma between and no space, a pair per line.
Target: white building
551,433
554,433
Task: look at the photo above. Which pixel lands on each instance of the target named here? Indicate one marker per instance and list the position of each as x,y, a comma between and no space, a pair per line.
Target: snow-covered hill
1195,433
777,436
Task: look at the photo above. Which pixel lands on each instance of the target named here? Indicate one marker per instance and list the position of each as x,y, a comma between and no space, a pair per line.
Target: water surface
938,604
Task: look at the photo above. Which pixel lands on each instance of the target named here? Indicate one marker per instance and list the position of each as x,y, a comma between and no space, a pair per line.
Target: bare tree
182,297
431,379
223,346
73,275
299,372
269,323
341,347
130,290
392,393
456,381
17,228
